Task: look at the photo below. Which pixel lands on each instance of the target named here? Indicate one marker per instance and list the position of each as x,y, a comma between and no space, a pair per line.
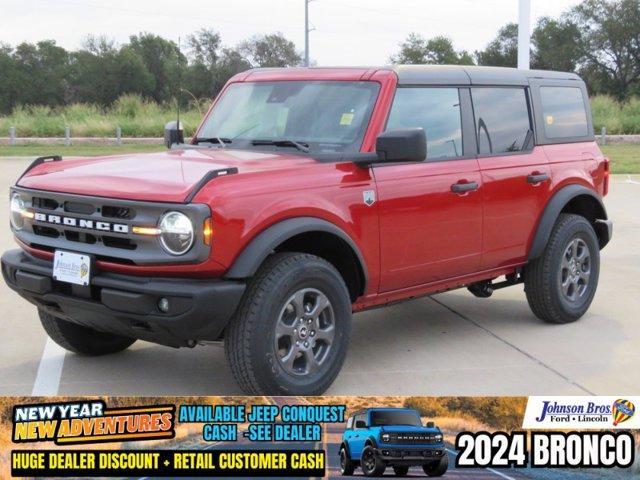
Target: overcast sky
349,32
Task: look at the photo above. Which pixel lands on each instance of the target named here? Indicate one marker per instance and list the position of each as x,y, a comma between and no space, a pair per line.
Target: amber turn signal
207,231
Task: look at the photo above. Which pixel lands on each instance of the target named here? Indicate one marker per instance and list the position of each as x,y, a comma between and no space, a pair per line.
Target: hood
407,429
164,177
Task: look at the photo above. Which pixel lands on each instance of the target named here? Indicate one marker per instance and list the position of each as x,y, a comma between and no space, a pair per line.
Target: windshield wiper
303,147
221,140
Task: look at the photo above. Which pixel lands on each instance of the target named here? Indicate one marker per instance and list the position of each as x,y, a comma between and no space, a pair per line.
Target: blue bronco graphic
378,438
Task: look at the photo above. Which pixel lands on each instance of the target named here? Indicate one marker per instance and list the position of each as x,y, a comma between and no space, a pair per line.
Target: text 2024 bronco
308,194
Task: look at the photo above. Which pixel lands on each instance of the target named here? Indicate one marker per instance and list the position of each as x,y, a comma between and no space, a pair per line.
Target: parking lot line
49,370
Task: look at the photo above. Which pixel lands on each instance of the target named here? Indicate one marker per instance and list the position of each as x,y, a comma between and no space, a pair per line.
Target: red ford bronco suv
308,194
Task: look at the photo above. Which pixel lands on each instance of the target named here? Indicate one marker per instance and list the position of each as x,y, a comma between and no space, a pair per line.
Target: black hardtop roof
446,74
472,75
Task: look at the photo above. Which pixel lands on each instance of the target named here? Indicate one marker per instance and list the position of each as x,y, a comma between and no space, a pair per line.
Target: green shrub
142,118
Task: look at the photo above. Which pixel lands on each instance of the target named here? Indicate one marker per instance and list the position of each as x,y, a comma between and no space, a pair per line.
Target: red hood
166,176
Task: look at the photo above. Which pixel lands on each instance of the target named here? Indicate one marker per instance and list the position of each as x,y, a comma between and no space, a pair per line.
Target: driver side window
435,109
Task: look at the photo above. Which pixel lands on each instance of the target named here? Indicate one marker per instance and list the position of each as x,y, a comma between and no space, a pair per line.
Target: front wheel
437,468
562,282
78,339
291,332
347,466
371,464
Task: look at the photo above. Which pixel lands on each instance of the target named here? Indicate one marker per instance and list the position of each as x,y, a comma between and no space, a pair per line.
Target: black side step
210,175
38,161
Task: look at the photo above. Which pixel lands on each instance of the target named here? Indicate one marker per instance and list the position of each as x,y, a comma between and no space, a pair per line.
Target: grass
624,158
89,150
134,115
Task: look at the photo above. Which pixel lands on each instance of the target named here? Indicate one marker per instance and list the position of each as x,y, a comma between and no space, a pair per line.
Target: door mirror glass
431,425
404,145
173,134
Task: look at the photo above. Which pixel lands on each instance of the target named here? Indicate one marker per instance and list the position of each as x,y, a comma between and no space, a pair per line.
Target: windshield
325,116
379,419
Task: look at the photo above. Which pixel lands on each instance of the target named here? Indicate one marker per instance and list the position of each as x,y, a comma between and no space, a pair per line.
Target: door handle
536,177
464,187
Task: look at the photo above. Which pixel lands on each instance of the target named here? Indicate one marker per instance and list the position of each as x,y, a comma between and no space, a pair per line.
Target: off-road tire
347,466
401,470
377,468
82,340
250,335
437,468
542,282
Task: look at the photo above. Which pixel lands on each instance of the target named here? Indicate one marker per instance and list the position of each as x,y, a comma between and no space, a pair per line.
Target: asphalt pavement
448,344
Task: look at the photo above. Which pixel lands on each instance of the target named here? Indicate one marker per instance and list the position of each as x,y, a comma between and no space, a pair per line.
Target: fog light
163,305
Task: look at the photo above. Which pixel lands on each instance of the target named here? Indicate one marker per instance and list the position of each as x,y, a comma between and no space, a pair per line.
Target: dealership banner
319,437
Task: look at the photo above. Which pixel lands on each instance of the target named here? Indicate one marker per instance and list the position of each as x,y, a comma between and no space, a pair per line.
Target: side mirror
431,424
406,145
361,424
173,133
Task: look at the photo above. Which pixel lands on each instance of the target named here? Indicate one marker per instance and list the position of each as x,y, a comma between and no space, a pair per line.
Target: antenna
178,95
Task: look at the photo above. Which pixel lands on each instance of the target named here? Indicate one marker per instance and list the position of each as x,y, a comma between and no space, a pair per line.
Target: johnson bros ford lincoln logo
585,412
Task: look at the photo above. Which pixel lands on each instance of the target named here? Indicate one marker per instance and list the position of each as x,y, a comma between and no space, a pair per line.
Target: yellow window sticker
346,119
550,119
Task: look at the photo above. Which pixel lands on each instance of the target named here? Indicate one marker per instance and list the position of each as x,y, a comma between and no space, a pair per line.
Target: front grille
123,213
413,438
103,228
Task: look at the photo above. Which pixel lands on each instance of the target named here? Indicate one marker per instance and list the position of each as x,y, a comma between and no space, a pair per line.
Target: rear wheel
347,466
82,340
371,464
401,470
437,468
291,332
561,283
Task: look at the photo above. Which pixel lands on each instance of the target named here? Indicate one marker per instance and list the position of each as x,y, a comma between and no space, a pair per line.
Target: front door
431,211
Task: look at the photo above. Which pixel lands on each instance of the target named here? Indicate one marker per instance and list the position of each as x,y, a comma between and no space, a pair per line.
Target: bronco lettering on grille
81,223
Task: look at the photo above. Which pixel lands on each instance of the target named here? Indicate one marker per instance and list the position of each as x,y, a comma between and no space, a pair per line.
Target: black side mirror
361,424
173,133
431,424
406,145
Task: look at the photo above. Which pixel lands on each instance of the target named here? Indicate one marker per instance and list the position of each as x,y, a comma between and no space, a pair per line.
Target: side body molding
555,206
264,244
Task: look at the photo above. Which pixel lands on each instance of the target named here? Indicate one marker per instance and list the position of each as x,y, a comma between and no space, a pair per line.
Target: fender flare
553,209
248,262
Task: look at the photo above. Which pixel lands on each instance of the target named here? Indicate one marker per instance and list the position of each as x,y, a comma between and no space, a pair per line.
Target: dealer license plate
71,268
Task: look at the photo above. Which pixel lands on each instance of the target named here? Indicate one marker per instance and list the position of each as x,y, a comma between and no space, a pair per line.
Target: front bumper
411,456
199,310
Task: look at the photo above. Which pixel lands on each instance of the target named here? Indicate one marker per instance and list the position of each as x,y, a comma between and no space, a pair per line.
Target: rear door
431,211
516,175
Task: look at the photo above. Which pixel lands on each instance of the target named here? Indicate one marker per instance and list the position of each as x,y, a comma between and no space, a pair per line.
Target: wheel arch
575,199
308,235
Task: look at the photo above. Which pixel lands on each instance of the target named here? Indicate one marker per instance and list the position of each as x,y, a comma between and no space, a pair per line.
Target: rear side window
502,119
564,112
437,110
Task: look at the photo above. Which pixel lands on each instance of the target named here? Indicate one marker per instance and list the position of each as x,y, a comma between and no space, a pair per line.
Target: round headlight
17,210
176,233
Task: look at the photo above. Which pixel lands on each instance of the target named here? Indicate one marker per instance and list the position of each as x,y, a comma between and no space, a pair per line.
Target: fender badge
369,197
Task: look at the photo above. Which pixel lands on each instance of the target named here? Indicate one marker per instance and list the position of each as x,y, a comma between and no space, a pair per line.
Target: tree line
148,65
598,39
